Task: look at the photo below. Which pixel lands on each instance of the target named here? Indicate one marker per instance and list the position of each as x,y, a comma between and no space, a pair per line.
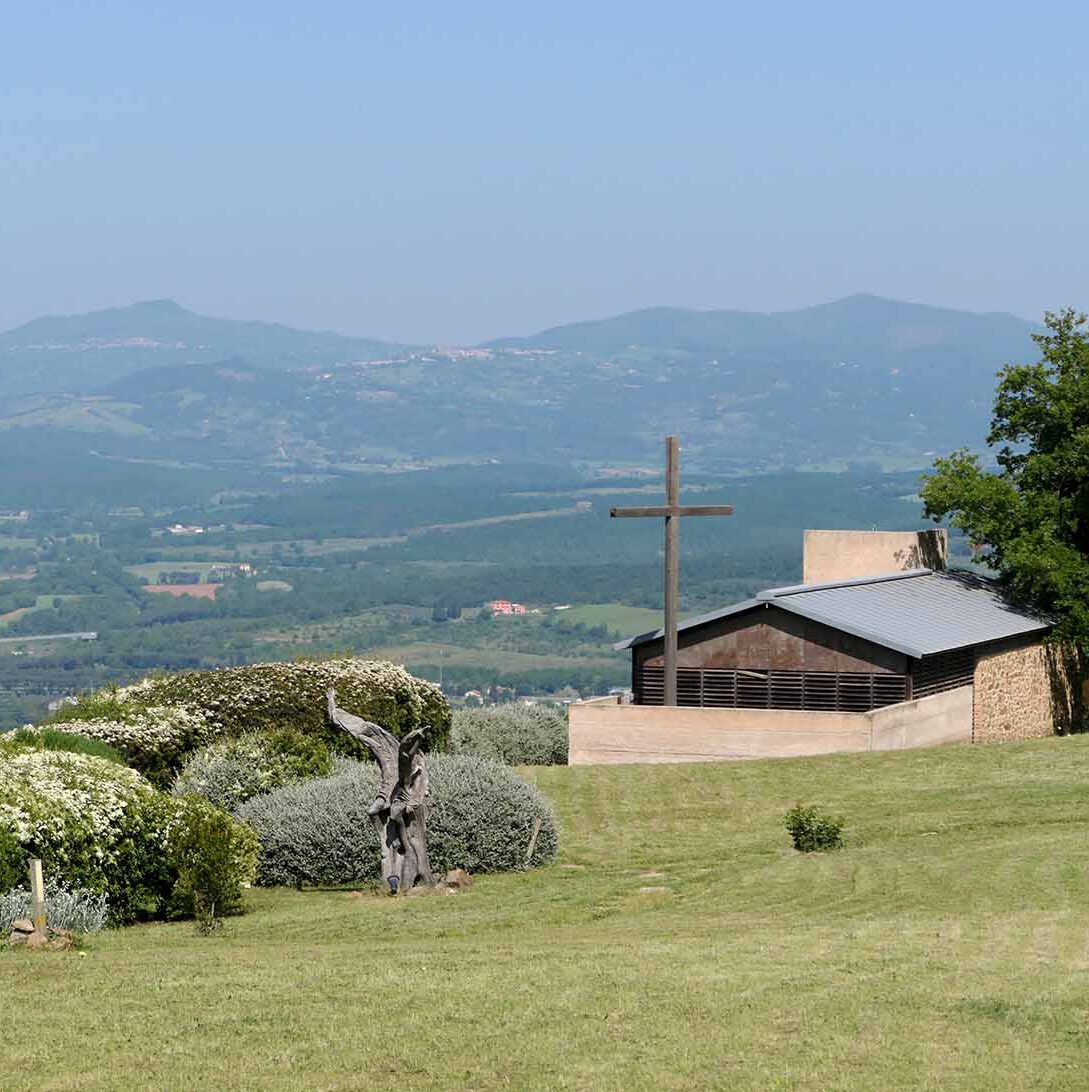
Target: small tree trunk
399,811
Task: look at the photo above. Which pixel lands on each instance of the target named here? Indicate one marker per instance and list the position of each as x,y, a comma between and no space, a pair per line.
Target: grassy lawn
678,944
616,616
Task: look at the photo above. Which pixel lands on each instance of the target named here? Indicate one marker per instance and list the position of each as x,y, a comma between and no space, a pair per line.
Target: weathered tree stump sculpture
399,811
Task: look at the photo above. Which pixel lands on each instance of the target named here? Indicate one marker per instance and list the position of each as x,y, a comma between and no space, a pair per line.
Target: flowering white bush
42,791
154,739
88,819
96,825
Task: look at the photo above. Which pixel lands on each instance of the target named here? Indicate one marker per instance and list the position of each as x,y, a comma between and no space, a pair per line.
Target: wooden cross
671,512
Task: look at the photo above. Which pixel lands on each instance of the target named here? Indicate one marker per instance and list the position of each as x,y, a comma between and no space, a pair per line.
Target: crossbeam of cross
671,512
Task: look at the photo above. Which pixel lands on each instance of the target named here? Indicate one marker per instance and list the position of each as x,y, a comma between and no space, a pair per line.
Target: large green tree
1029,520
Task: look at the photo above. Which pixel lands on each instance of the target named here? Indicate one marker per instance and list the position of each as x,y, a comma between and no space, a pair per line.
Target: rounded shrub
231,701
481,818
213,856
520,735
232,771
97,826
811,831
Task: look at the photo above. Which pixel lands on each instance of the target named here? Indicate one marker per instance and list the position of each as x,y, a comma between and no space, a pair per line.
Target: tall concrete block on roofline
846,555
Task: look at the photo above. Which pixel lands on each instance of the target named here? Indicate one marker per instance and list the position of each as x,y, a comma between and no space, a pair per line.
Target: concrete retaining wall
607,732
846,555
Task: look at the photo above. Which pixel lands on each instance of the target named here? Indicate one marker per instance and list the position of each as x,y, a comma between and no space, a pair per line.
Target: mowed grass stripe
678,943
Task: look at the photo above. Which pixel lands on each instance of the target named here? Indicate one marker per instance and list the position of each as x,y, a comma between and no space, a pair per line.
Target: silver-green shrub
233,771
519,735
481,819
74,909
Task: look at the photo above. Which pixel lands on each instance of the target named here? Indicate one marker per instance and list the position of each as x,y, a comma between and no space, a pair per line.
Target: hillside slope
863,379
80,353
678,943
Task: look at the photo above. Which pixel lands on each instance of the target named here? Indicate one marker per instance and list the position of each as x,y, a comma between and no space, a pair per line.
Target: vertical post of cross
672,512
672,583
37,895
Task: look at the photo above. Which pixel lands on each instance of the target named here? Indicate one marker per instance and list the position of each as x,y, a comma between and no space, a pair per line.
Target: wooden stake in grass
37,895
533,839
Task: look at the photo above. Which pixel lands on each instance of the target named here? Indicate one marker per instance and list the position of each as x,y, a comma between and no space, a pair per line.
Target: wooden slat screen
946,671
849,692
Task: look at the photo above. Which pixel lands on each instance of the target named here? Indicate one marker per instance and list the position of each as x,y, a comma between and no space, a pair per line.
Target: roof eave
690,623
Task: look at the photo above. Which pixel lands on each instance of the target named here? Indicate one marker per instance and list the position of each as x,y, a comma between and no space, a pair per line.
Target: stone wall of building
1028,692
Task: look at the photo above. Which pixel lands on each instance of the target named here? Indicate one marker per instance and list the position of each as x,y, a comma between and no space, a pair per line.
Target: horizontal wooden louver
817,691
946,671
689,686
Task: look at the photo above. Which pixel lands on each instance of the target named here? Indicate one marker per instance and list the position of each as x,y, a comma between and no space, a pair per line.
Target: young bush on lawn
481,819
214,857
232,771
520,735
96,825
813,832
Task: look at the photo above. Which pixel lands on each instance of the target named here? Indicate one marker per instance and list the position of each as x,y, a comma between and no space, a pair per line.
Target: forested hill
860,380
861,324
80,353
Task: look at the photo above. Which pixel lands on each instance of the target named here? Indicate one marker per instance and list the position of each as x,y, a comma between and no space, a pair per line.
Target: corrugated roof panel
919,613
919,616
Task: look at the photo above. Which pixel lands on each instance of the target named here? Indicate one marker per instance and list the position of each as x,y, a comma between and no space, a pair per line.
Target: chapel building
881,647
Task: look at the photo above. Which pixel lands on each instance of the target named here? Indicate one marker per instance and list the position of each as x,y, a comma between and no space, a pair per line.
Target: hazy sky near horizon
439,172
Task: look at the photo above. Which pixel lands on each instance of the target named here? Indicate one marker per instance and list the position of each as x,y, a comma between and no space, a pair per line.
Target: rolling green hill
863,379
81,353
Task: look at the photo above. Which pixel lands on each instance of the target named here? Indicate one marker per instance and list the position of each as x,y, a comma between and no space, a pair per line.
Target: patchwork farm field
616,617
678,943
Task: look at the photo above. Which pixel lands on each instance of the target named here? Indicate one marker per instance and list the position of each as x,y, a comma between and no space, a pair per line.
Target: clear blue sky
451,172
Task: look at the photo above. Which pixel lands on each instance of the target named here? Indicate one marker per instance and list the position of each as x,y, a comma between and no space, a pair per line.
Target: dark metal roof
918,613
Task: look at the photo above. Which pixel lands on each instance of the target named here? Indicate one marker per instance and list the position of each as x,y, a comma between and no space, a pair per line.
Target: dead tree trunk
399,811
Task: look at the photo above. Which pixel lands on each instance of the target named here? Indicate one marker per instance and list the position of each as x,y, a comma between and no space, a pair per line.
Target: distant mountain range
860,324
862,379
79,353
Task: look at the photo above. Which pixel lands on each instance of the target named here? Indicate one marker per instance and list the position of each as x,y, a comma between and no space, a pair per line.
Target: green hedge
481,819
54,739
153,740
